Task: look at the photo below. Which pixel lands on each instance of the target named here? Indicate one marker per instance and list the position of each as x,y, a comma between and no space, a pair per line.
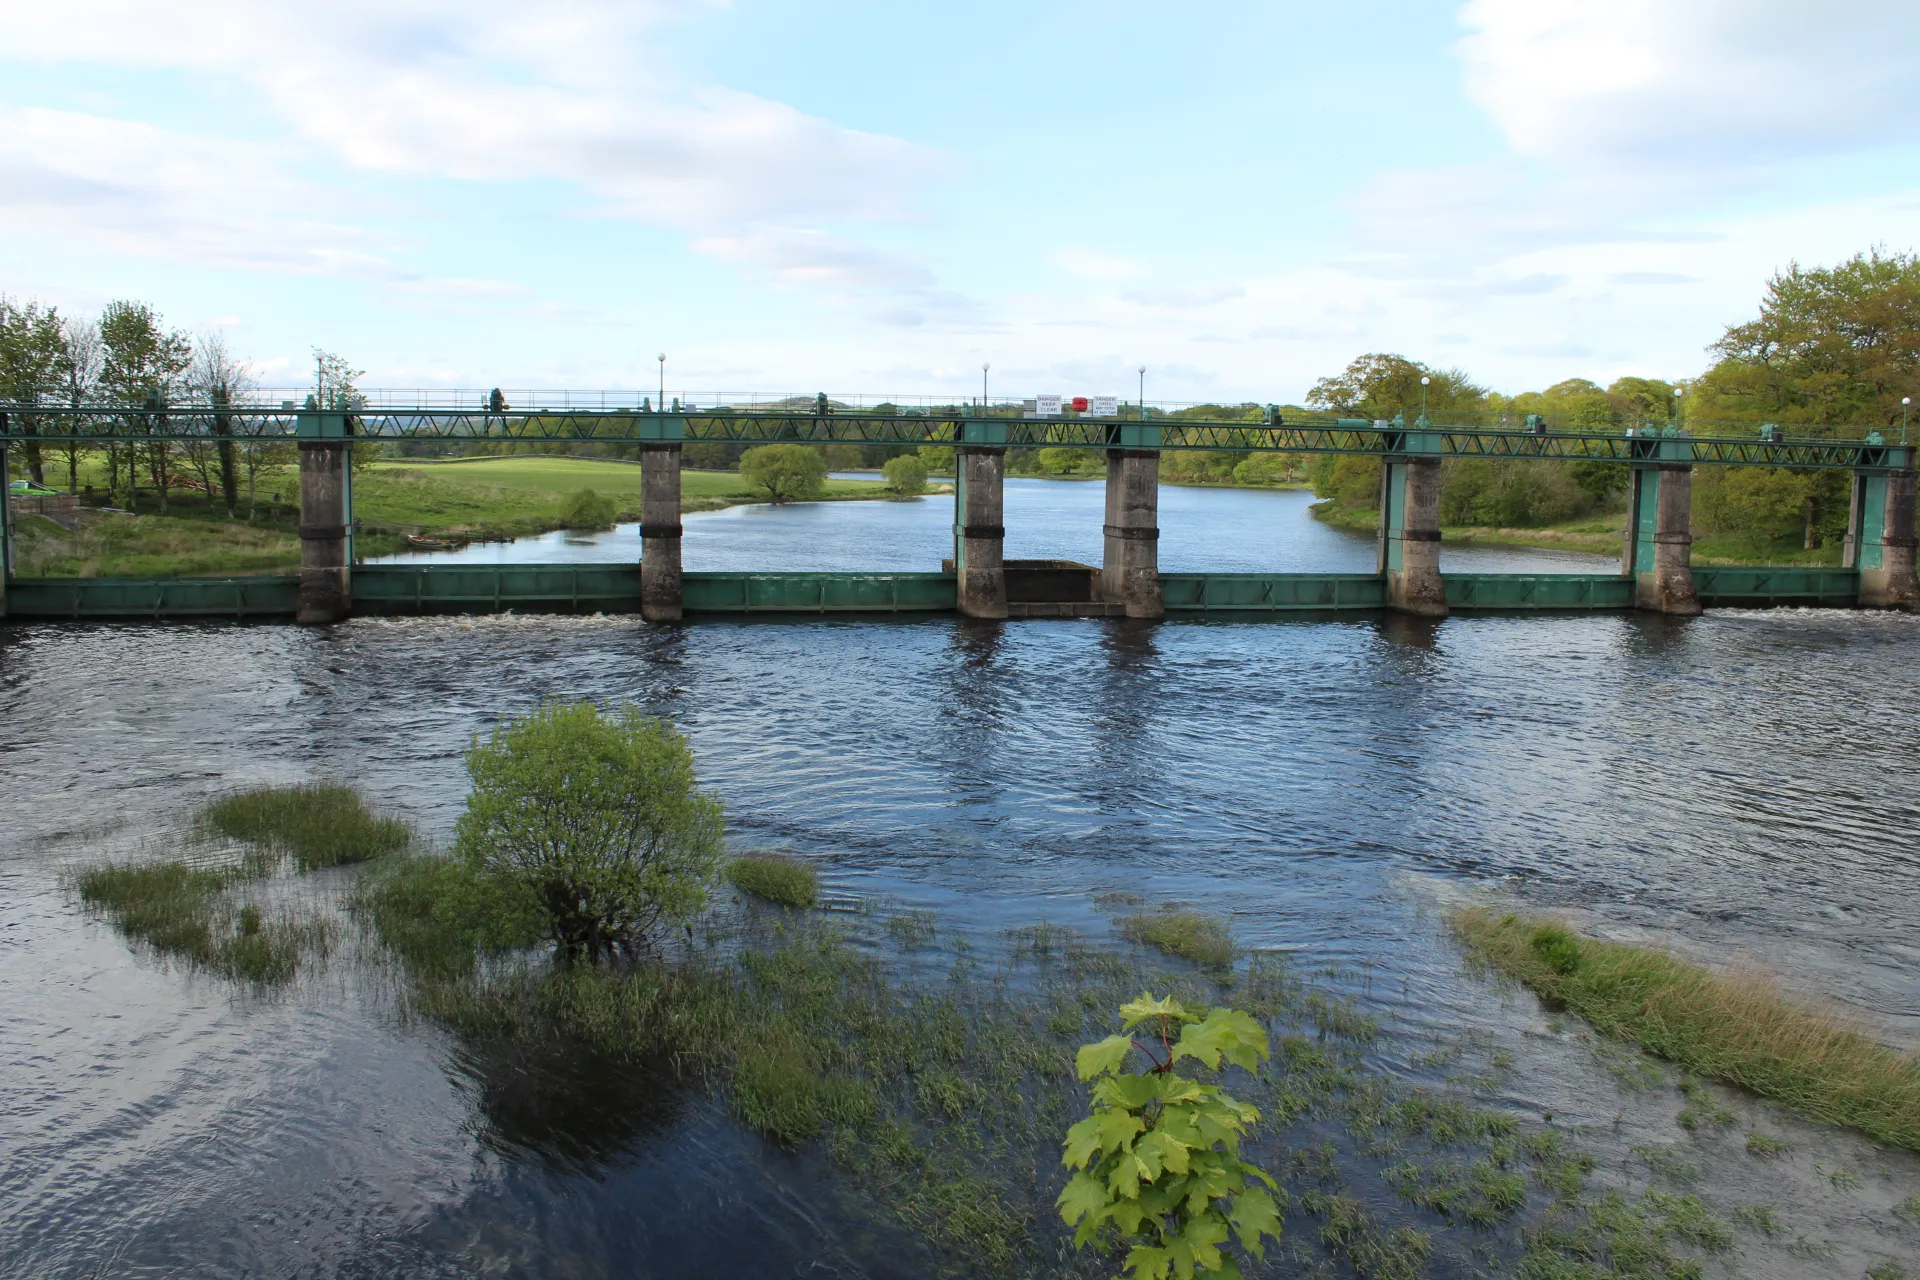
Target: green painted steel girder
1851,451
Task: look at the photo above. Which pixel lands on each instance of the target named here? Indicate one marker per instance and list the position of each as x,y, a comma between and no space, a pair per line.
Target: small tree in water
592,821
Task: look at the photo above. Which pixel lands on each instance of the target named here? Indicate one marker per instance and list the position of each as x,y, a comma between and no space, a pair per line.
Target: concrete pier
979,530
1880,533
326,580
1658,555
660,577
1410,535
1130,565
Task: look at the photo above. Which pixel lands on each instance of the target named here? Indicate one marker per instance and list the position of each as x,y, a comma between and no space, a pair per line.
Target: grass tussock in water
776,877
317,824
1191,935
188,913
1736,1027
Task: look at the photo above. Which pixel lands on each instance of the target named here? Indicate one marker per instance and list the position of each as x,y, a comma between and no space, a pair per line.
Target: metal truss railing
949,426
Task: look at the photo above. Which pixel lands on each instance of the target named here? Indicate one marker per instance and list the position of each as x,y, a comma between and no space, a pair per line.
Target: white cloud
1692,84
139,189
571,92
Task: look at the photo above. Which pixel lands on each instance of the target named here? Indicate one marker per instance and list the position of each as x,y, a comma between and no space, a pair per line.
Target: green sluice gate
1265,592
819,592
390,589
83,598
396,590
1764,588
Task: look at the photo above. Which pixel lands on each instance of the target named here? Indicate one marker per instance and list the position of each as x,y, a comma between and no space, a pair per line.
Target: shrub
786,471
775,877
587,510
321,825
906,475
1157,1163
1265,468
592,822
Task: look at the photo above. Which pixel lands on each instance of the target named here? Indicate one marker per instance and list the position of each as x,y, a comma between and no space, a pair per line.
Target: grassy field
482,498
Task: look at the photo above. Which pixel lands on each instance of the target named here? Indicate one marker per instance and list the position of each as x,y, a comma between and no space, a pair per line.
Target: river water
1738,784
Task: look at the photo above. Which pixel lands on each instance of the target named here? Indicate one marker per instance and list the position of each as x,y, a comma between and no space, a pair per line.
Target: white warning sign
1046,406
1104,407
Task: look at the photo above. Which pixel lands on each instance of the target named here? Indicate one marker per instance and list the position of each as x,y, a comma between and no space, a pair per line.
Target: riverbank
1601,535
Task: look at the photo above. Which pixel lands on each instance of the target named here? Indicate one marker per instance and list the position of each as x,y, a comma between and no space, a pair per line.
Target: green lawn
487,497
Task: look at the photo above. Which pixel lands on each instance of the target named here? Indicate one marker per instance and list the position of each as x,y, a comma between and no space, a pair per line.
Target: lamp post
662,402
1424,380
1679,409
1143,393
984,366
1906,403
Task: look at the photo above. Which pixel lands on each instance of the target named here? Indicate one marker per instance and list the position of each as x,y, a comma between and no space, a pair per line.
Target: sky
865,197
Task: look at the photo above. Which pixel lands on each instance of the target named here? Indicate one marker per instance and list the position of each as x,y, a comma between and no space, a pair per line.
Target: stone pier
326,512
660,581
1880,532
6,524
979,530
1130,565
1658,555
1409,556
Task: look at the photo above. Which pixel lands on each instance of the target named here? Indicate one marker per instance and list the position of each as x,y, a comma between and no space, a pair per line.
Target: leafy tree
1379,386
592,821
906,475
31,348
143,365
1265,468
336,387
1157,1163
841,457
587,510
1831,345
1349,480
939,459
81,354
222,380
786,471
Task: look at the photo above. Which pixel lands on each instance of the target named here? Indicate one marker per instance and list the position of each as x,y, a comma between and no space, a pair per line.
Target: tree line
129,356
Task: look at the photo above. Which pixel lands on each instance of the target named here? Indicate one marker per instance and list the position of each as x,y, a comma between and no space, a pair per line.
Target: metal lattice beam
732,426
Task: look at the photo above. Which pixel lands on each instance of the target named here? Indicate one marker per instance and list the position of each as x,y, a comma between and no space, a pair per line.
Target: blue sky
876,198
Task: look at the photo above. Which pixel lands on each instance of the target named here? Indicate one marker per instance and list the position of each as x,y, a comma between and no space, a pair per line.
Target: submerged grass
1737,1027
1191,935
942,1103
777,877
318,824
186,913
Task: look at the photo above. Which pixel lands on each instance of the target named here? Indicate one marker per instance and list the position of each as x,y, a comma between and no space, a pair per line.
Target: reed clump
1191,935
317,824
777,877
186,913
1735,1026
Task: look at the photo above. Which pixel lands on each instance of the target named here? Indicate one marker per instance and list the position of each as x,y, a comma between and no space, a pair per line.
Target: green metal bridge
1656,572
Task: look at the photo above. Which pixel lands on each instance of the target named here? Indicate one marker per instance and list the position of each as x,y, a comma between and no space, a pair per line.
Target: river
1737,784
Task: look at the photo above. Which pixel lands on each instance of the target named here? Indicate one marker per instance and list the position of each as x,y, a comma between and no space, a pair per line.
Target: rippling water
1741,782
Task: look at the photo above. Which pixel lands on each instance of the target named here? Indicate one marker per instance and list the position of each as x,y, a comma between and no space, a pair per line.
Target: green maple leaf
1124,1182
1083,1140
1254,1215
1103,1056
1203,1237
1149,1263
1135,1012
1226,1033
1117,1129
1169,1152
1130,1093
1083,1197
